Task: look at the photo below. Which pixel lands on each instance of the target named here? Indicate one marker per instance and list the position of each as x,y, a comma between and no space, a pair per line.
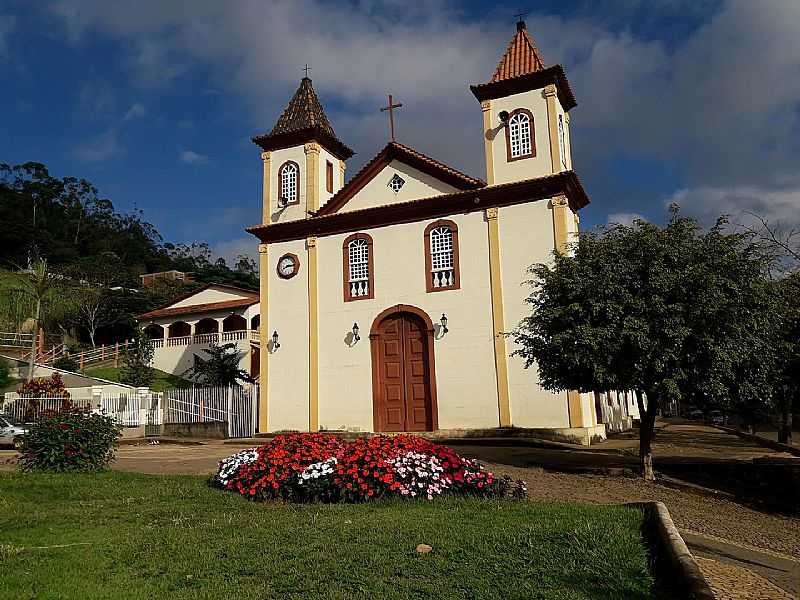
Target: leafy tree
221,368
650,309
136,361
37,288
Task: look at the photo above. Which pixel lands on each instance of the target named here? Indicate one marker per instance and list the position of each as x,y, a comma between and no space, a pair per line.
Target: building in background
213,314
150,278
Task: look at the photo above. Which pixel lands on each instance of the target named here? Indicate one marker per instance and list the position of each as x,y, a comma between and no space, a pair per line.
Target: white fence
26,409
235,406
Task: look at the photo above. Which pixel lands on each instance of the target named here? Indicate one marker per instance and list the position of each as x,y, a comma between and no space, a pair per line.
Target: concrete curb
672,558
146,441
760,440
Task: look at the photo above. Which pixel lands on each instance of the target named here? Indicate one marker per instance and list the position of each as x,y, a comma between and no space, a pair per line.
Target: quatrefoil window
396,182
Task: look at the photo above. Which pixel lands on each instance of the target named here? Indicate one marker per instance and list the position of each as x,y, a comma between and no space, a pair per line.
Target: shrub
67,363
5,375
52,386
69,440
311,467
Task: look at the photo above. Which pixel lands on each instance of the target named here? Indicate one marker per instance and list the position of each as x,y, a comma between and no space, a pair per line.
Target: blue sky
693,101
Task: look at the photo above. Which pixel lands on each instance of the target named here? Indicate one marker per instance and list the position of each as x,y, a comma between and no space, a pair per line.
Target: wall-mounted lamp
443,322
356,337
504,116
275,343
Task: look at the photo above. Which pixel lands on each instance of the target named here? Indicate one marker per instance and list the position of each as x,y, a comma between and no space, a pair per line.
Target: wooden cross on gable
390,109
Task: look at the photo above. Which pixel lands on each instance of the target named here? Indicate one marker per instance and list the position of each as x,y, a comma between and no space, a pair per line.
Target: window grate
396,182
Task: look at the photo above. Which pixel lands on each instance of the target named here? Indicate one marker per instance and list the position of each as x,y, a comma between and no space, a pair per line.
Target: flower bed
313,467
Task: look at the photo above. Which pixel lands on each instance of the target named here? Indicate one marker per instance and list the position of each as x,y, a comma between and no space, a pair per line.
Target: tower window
519,135
396,182
288,178
329,176
562,147
441,256
359,276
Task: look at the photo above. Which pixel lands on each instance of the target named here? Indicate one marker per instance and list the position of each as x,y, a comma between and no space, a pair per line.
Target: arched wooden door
403,373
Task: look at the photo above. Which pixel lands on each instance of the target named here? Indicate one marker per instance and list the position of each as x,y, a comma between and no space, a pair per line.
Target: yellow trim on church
550,93
312,176
486,107
263,340
498,319
265,194
313,336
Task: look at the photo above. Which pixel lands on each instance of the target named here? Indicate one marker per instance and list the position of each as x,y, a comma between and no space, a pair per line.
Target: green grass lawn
161,380
120,535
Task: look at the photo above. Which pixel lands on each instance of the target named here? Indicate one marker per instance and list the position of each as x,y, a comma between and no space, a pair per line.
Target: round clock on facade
288,266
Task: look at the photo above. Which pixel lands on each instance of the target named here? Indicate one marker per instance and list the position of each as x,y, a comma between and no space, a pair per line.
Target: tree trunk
647,421
785,427
35,339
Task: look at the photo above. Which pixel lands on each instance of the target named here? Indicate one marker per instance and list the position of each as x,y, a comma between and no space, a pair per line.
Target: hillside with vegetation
94,257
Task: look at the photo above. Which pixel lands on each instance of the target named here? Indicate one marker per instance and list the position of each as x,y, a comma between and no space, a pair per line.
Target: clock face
287,266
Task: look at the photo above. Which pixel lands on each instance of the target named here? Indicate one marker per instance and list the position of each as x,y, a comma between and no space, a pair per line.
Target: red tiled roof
409,156
198,308
521,57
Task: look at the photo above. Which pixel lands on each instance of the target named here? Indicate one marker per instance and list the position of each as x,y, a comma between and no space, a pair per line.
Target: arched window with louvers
441,256
520,141
288,184
358,271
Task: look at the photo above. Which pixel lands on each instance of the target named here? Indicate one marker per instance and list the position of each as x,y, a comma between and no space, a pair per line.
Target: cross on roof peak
306,69
390,108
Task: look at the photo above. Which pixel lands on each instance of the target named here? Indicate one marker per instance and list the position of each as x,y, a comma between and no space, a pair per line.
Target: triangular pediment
398,174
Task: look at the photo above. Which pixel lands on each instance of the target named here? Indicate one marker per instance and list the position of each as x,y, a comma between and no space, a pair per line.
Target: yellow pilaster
561,213
312,176
265,194
550,94
488,137
313,337
575,407
263,340
498,319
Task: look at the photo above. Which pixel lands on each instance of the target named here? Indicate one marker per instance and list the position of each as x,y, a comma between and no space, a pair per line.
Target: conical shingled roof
521,57
302,120
303,112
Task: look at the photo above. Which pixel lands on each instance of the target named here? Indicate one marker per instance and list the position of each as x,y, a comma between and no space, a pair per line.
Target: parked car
11,431
715,417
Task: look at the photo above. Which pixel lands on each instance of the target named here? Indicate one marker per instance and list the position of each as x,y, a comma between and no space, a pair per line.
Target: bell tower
304,161
525,109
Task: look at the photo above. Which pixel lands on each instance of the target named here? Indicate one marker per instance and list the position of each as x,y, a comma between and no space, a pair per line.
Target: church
385,300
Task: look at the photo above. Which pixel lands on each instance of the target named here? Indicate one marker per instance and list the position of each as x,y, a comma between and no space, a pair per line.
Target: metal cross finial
390,109
521,15
306,69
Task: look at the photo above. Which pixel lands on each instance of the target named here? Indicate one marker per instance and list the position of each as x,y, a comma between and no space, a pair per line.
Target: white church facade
385,300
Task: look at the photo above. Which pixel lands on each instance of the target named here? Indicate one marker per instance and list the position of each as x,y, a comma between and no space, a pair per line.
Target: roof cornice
279,141
466,201
525,83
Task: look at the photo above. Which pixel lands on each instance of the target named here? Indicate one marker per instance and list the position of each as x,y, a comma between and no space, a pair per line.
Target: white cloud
624,218
739,201
102,147
720,106
190,157
134,112
230,249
